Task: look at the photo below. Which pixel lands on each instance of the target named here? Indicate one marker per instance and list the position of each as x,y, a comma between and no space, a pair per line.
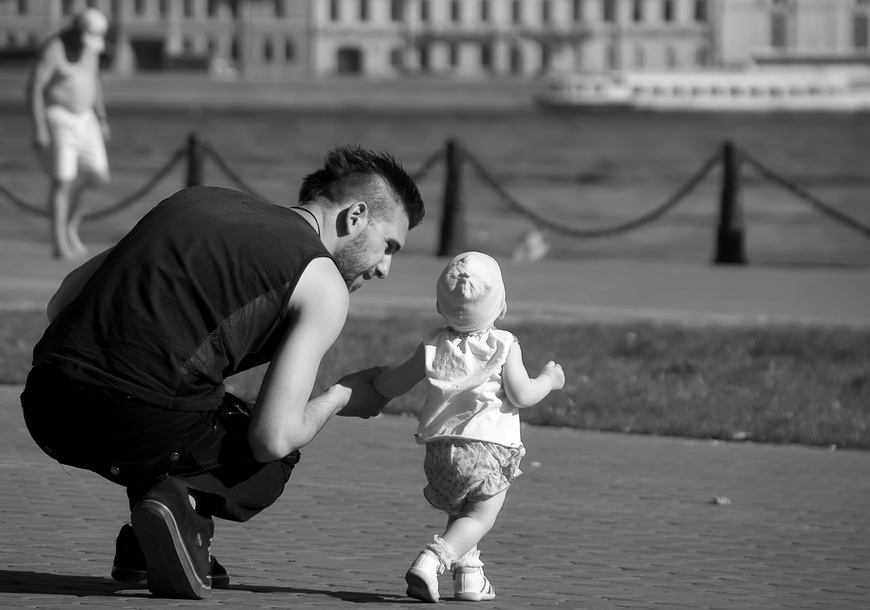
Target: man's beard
350,261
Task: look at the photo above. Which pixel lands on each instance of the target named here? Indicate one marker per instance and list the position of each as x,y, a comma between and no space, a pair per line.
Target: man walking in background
69,123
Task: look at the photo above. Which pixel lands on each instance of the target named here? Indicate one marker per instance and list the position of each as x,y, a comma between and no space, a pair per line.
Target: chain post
730,242
195,160
453,239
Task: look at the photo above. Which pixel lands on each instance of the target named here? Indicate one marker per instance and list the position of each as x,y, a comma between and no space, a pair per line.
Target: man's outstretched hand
364,401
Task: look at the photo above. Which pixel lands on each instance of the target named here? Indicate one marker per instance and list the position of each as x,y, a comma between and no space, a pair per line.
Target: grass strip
773,384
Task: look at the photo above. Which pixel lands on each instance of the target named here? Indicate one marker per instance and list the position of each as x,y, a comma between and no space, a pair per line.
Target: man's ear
503,311
356,217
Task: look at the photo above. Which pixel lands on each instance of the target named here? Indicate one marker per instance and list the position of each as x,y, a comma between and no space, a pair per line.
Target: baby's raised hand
554,371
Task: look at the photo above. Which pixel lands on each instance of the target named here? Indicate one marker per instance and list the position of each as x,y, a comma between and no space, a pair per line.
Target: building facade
473,39
257,38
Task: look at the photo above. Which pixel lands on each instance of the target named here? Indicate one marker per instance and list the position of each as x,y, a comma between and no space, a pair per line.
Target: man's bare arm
284,419
40,76
100,106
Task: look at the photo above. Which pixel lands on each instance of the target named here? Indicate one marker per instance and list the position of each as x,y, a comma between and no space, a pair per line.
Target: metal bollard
730,246
453,239
195,160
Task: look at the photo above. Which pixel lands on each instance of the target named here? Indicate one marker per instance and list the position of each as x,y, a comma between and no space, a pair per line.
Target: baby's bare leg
465,530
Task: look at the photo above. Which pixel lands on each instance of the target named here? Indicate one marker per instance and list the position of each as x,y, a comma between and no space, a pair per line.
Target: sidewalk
597,521
598,290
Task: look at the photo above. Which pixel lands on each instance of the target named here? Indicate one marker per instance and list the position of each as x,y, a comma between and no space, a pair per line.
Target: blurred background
273,84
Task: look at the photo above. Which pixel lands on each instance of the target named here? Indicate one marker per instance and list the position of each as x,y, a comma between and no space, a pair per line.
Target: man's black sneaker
129,566
175,541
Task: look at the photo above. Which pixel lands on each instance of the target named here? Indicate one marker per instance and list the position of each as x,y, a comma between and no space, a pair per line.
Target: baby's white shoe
422,577
470,584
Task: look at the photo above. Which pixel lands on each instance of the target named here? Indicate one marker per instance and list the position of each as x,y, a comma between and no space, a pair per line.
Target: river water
578,170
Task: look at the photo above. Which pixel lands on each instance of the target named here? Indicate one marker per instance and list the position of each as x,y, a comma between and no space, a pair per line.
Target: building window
188,8
268,50
424,58
637,11
516,60
289,50
396,55
484,11
424,11
670,57
701,11
139,7
779,31
364,12
213,8
546,58
334,10
164,8
454,55
280,9
22,7
546,11
396,10
667,11
516,11
609,10
639,57
577,10
861,31
455,11
612,57
486,57
702,56
66,7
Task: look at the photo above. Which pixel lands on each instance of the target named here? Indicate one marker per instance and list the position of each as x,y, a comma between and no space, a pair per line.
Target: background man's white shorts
76,141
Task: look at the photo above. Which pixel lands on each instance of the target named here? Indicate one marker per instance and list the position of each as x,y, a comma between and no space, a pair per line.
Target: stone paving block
605,521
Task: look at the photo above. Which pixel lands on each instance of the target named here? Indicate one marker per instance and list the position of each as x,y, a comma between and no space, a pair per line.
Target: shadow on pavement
43,583
348,596
14,581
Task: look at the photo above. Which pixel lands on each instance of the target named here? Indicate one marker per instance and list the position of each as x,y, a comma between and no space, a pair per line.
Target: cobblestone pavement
597,521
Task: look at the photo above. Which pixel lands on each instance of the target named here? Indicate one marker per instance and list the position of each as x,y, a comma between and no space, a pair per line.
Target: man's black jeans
134,444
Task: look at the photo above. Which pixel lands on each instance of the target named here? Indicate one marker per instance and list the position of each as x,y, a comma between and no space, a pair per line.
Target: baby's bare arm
524,391
399,380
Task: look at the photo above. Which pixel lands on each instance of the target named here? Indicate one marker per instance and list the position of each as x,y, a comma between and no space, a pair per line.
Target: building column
243,37
123,61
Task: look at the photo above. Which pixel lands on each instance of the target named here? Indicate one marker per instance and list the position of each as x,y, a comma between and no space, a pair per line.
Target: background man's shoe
175,541
129,566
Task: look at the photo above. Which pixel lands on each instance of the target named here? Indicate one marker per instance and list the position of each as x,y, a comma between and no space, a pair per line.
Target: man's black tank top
195,292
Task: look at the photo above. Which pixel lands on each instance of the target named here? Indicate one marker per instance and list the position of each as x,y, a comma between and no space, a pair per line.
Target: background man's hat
93,25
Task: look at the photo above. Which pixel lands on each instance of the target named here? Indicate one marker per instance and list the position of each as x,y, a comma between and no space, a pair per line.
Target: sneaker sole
473,597
418,588
170,569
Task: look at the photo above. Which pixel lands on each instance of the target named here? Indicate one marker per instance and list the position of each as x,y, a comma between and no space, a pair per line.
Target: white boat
757,89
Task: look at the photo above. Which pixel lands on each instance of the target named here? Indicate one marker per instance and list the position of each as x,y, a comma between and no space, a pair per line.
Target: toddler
475,385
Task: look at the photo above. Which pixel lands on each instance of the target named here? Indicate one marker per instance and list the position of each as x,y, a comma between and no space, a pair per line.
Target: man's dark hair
354,172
